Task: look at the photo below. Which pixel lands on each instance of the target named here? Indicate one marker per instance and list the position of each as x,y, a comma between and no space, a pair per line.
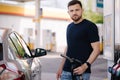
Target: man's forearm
63,60
95,52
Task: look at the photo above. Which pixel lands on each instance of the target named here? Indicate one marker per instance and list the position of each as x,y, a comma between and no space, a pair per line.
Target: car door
8,70
29,61
21,53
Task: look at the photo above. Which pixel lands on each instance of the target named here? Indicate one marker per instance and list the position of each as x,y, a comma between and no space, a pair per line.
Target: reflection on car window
18,46
1,51
24,45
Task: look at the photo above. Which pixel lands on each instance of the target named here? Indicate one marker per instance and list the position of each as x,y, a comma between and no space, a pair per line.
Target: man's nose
74,12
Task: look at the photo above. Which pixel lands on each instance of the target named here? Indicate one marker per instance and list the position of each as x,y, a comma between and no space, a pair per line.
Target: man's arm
91,59
60,69
95,52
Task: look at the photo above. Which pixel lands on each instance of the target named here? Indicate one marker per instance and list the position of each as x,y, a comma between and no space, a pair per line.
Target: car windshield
19,46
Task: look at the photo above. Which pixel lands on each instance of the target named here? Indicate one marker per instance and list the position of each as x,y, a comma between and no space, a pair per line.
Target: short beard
76,20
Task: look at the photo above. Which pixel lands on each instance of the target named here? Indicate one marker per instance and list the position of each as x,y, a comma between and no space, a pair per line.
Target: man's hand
81,69
58,74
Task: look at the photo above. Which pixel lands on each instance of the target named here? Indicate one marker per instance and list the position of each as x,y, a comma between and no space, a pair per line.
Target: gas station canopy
20,0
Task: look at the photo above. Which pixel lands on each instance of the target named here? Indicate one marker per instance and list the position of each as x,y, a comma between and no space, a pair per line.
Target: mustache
75,15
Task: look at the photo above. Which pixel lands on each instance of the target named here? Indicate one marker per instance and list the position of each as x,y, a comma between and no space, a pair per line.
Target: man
82,44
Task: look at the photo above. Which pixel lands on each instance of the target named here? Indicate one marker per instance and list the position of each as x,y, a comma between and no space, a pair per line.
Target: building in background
20,17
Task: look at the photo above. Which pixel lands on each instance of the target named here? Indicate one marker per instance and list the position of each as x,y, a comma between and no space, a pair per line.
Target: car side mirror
40,52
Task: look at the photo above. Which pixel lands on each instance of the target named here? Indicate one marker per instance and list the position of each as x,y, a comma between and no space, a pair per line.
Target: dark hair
73,2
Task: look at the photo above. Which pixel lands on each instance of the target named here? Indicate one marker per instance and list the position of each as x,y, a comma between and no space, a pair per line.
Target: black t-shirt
79,39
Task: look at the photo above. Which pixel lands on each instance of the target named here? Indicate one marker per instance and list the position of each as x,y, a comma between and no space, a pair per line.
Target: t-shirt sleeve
93,35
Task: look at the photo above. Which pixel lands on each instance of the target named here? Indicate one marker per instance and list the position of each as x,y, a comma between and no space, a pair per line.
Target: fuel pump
74,63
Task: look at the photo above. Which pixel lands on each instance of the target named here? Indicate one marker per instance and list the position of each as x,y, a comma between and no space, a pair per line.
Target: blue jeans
67,76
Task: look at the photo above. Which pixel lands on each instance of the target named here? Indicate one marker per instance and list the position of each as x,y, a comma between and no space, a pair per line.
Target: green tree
93,16
89,14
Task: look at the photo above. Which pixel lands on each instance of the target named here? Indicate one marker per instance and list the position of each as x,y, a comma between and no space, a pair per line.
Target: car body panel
18,57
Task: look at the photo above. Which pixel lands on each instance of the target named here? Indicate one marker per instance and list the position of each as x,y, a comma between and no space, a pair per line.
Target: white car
17,62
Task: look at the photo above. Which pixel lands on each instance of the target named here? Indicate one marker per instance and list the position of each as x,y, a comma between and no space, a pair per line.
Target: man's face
75,12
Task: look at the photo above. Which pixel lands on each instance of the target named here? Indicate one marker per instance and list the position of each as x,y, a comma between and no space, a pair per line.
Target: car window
1,51
18,46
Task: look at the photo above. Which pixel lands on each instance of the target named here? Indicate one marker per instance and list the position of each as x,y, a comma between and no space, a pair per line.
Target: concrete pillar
37,23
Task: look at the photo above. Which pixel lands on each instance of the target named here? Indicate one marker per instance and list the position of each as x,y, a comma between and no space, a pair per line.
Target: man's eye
71,10
77,9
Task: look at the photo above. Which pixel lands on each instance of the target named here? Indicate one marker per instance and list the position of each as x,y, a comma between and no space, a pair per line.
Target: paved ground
51,62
